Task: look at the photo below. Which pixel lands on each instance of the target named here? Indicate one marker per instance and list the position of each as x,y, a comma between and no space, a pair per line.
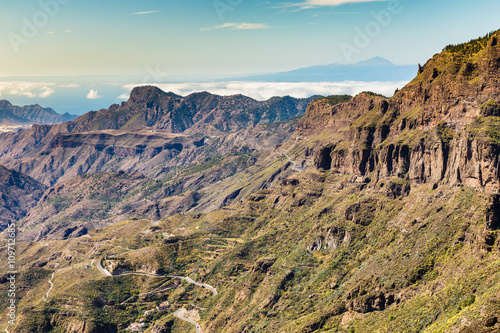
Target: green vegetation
61,203
373,94
444,132
275,271
337,99
370,119
490,108
471,47
413,114
485,128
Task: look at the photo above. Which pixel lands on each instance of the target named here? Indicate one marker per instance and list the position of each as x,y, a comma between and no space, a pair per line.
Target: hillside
18,194
372,214
198,179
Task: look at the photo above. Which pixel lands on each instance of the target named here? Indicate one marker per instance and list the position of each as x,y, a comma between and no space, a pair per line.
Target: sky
77,55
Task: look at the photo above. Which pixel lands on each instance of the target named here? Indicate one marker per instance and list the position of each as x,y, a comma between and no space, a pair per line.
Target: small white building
163,306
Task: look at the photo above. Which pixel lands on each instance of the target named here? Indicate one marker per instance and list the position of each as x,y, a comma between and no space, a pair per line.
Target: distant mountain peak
34,114
149,93
5,103
373,69
375,61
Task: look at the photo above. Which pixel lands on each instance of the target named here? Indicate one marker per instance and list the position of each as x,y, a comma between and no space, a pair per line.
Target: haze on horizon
63,52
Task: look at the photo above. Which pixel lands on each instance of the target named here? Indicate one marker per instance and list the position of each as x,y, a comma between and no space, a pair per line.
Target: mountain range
30,114
358,214
374,69
150,132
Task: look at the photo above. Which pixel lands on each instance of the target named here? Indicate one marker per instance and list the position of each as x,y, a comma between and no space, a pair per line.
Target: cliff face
441,127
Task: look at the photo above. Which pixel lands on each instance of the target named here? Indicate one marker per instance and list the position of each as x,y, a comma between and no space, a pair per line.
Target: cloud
145,13
67,30
69,85
46,93
93,94
239,26
321,3
29,89
265,90
50,32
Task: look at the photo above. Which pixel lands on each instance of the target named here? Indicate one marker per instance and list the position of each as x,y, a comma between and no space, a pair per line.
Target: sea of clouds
78,98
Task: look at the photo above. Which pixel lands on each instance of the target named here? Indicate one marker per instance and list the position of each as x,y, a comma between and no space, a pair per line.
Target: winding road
192,322
177,313
102,270
189,280
185,278
51,284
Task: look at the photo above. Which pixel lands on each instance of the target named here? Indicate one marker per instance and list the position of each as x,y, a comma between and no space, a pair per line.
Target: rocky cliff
441,127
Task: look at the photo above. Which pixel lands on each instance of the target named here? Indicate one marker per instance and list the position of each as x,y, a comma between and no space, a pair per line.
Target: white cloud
67,30
29,89
321,3
93,94
70,85
266,90
239,26
50,32
145,13
46,93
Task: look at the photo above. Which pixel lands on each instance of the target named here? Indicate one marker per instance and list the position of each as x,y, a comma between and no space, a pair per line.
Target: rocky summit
224,214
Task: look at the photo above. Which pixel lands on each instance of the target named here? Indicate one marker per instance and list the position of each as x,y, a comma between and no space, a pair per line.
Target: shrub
471,47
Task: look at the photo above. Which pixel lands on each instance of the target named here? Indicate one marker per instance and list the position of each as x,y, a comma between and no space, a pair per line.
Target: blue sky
193,40
103,37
